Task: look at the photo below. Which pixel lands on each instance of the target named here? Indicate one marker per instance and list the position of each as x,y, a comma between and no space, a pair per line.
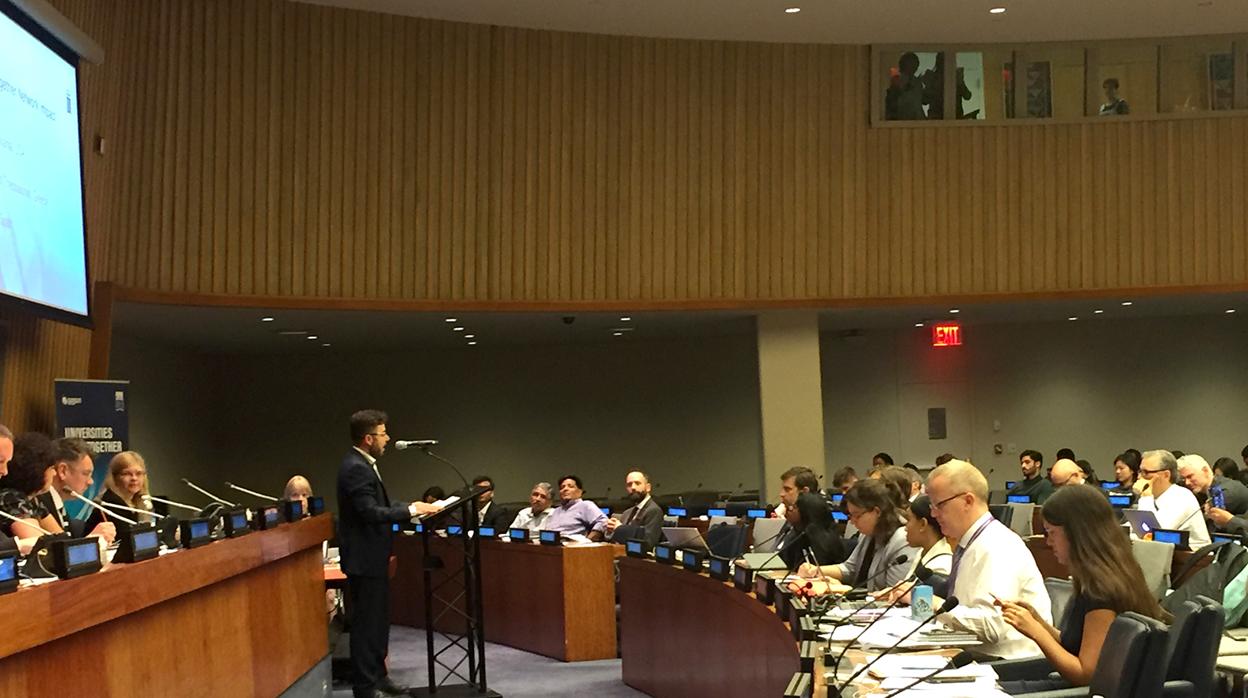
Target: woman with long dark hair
822,543
1085,536
876,509
1126,471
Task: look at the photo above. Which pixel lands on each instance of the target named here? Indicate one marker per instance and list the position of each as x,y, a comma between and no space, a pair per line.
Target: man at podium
366,519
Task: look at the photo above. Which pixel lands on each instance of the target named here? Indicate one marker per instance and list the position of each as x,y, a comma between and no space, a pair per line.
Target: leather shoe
390,688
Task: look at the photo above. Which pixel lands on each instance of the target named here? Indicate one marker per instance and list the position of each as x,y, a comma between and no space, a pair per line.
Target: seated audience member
489,513
1066,453
126,485
1126,472
644,512
1084,534
71,479
990,562
1175,506
944,458
1212,490
818,541
1227,468
936,555
843,479
903,481
534,517
298,489
433,494
1089,475
1066,472
793,482
1033,484
875,507
29,473
576,516
881,460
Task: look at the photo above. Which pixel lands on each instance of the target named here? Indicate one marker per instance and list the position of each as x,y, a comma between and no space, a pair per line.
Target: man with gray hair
534,517
1175,506
1214,491
990,562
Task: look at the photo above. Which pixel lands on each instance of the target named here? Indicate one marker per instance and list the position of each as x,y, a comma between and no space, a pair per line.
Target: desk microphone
423,443
889,607
950,604
104,512
149,499
251,492
208,494
959,660
110,505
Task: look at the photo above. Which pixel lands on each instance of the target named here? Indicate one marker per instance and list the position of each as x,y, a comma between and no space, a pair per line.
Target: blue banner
94,411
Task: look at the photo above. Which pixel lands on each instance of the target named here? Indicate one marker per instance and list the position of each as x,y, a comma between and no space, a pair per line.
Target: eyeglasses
1153,472
946,500
381,434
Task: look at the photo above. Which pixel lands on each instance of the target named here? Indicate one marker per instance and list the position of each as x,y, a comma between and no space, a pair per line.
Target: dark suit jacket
1236,495
649,517
76,527
365,518
497,517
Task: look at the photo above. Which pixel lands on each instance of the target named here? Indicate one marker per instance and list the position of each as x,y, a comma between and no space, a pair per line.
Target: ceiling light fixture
470,336
918,324
458,329
1229,311
1072,317
1127,303
325,344
792,10
997,11
312,336
472,344
1098,311
626,319
617,334
266,319
954,311
451,319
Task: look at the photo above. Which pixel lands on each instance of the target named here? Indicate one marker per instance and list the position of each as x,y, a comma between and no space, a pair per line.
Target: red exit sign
947,334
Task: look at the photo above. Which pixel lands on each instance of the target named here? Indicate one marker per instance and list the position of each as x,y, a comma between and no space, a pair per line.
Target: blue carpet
512,673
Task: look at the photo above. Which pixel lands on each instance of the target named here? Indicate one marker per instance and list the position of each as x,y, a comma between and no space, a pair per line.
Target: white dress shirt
996,564
939,559
527,519
1177,509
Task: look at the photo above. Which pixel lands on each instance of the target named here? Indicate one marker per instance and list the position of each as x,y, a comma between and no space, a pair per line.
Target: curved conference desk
685,634
238,617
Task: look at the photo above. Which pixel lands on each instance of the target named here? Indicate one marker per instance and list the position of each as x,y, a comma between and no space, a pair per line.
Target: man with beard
1034,485
644,512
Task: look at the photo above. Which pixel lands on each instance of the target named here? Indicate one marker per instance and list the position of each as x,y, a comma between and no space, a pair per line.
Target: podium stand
459,584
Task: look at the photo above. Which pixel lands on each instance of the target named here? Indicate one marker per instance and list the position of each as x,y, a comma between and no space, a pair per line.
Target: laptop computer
761,561
684,537
766,532
1142,522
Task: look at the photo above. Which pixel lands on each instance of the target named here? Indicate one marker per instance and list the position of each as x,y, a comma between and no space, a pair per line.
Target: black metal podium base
459,690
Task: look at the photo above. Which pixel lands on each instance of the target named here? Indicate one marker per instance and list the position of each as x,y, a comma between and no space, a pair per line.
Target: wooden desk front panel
554,601
684,634
241,617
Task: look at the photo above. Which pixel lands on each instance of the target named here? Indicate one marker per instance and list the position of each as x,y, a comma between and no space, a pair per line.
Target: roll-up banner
96,412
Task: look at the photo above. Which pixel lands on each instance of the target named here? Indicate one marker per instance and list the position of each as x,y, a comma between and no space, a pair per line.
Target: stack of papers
891,628
896,672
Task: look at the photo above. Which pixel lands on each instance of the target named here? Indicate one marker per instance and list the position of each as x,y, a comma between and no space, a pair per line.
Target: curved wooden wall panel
275,148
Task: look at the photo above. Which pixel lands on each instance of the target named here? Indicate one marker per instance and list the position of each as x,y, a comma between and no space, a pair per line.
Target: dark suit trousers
370,631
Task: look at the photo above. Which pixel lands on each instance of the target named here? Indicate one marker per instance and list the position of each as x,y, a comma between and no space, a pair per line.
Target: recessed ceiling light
325,344
470,336
312,336
451,319
1098,311
1072,317
617,334
918,324
472,344
458,329
266,319
954,311
1229,311
792,10
997,11
626,319
1127,303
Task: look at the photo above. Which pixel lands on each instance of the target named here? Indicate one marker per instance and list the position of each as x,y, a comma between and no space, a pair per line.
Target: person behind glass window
1114,105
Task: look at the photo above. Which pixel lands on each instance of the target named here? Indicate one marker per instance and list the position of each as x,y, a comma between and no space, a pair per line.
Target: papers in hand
440,504
577,538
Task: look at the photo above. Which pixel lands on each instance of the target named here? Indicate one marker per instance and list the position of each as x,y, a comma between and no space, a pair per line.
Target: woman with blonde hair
125,485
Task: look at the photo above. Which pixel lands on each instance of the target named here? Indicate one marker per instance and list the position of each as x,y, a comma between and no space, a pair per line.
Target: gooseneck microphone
959,660
102,510
149,499
424,447
900,559
15,519
110,505
253,493
422,443
950,604
208,494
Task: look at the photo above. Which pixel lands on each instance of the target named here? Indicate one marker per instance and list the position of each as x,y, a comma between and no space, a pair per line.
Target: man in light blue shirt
575,515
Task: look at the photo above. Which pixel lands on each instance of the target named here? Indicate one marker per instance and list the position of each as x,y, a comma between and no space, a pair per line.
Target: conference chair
1061,591
1155,560
1192,649
1132,663
726,541
1021,516
1001,512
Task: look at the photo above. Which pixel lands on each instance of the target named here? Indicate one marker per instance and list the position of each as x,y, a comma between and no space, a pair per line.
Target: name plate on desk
316,506
760,513
235,523
1019,499
137,543
486,531
719,568
270,516
1120,501
549,538
455,530
1179,539
636,548
665,554
518,535
196,532
73,557
8,571
717,511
